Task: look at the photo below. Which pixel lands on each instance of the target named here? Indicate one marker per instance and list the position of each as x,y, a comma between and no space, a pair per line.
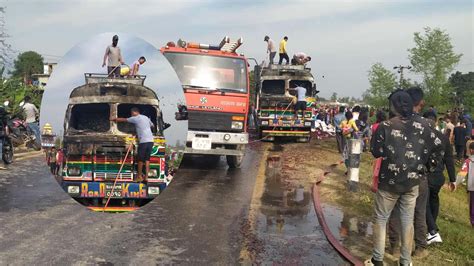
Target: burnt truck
275,100
99,154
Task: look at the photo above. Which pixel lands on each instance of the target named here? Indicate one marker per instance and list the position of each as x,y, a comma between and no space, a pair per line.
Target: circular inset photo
110,125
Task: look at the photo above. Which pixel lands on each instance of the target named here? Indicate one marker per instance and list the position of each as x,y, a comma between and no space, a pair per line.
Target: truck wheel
234,161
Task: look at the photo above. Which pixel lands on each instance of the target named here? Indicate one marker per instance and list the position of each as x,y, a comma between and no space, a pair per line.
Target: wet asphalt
209,215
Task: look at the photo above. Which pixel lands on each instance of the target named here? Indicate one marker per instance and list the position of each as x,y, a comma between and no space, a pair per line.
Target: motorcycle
19,133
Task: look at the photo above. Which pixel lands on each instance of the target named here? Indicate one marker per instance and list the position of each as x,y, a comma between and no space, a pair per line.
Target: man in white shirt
301,101
136,66
143,127
300,59
271,49
31,114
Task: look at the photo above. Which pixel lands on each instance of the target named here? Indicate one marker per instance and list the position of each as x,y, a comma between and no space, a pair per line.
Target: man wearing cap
114,57
271,48
406,144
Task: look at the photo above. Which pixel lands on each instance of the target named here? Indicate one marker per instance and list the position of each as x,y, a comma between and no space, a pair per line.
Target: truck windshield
308,85
123,110
273,87
92,117
212,72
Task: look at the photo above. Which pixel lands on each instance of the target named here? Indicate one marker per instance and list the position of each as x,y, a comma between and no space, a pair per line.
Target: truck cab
275,100
215,80
95,148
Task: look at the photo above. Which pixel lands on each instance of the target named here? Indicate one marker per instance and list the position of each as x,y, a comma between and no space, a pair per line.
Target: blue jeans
35,129
384,203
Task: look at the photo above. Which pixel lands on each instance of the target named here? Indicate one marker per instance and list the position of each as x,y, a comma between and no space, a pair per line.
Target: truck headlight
153,190
265,123
73,189
307,124
74,171
227,137
237,125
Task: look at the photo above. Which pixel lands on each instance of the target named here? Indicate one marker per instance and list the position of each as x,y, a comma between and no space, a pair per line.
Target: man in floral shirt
406,144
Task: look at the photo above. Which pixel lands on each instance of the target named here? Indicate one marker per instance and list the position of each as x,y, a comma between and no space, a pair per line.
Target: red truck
215,80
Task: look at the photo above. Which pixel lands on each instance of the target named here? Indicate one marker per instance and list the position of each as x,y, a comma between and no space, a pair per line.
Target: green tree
382,83
334,96
27,64
433,57
463,88
14,91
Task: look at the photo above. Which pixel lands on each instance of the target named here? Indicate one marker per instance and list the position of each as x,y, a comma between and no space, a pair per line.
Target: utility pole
400,70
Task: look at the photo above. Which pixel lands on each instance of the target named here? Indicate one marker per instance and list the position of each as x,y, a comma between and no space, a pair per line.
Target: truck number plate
202,143
117,191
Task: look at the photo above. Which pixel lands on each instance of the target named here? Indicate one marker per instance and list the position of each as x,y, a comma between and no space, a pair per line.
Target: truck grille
211,121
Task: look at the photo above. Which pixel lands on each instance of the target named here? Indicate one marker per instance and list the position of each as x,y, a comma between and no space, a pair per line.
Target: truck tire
234,161
7,154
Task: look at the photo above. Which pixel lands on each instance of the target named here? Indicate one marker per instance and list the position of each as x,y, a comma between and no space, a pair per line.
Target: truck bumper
222,143
286,133
100,190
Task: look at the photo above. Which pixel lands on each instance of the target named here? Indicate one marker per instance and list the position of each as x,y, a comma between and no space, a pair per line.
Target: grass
455,229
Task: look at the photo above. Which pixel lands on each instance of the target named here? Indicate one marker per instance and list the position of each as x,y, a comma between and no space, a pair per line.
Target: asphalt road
208,215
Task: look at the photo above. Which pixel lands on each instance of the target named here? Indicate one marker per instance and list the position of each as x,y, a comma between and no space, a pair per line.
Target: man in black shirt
460,140
406,144
436,181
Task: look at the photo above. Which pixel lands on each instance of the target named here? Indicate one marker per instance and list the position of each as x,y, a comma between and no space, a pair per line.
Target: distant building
41,80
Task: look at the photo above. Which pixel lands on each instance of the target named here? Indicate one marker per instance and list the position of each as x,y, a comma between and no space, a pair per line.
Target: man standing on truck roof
143,127
301,101
283,51
114,57
271,48
136,66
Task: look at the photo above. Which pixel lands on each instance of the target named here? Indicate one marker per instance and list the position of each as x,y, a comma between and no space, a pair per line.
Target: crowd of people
413,147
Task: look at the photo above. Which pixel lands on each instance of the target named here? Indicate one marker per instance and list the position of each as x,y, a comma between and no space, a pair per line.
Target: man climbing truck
280,110
215,82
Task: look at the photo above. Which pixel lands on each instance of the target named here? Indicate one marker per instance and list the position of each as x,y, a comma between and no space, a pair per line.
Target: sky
344,38
81,59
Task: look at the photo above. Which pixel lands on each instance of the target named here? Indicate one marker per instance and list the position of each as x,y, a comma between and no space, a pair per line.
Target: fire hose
116,178
327,232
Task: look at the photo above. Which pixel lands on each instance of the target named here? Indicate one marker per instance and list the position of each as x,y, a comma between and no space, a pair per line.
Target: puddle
344,226
287,224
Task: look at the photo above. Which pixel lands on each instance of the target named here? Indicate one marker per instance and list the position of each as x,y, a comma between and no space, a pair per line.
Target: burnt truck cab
276,98
95,147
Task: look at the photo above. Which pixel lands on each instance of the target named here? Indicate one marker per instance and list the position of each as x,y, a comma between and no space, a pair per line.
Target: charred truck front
276,98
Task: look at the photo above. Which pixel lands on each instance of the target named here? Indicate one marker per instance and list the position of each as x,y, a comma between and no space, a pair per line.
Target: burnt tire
7,154
234,161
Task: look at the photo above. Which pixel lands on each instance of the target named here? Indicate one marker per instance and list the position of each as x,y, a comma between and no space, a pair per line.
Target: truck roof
279,71
113,90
